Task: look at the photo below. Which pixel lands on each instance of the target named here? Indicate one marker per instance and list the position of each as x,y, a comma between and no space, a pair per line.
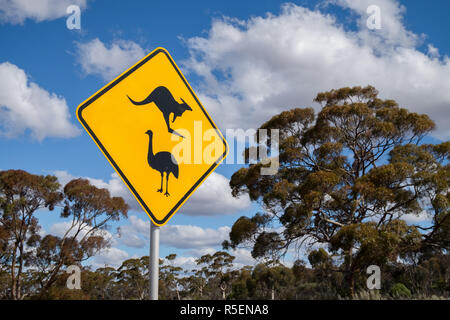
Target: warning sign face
154,131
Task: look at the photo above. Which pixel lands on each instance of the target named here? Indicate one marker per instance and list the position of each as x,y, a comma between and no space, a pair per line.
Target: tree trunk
351,276
13,274
273,293
351,284
52,278
19,273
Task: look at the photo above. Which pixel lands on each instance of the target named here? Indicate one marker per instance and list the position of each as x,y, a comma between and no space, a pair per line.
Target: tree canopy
87,208
346,177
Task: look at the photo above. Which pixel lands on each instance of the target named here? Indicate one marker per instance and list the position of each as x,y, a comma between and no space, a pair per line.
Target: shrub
400,291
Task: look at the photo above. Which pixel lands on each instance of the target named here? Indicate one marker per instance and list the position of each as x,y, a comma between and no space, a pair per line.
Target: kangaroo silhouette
166,103
163,162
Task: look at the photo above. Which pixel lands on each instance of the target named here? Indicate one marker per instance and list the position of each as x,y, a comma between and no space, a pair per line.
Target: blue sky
258,56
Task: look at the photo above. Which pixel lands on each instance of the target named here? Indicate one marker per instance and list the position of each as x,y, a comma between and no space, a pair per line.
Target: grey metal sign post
154,260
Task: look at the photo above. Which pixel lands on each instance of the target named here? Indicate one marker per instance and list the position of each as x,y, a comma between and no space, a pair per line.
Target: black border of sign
116,167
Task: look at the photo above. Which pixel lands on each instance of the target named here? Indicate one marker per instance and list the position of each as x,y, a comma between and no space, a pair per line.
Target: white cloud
136,234
422,217
392,31
187,263
188,236
132,240
17,11
26,106
108,61
253,69
196,240
110,257
59,229
214,197
243,257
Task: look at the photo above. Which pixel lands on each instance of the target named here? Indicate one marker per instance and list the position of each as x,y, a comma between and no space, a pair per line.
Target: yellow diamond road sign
154,131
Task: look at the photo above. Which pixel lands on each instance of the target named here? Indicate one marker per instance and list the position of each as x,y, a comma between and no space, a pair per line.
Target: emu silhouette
163,162
166,103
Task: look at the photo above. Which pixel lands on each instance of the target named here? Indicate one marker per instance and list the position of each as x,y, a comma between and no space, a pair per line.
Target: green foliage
346,177
133,275
318,258
426,280
242,229
400,291
21,194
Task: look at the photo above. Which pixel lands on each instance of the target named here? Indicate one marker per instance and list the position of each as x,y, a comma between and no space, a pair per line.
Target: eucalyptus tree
87,210
21,195
346,176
